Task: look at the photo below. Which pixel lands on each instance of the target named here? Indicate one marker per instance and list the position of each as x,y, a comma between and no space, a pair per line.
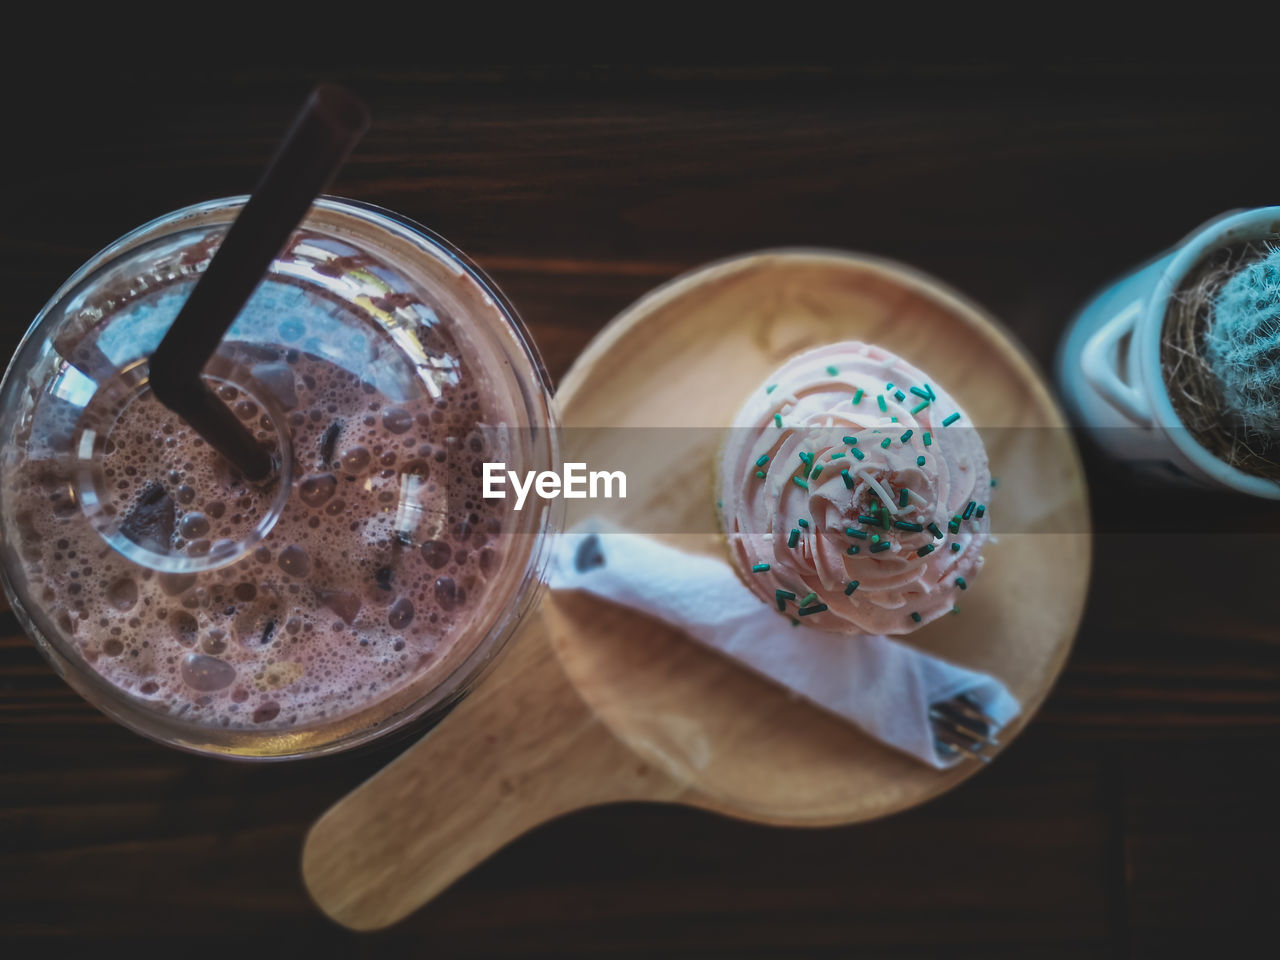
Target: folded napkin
881,686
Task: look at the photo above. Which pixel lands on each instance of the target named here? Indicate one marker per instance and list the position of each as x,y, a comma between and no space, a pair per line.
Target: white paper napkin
883,687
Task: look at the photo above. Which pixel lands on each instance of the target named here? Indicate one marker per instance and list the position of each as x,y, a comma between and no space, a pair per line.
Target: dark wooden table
1134,815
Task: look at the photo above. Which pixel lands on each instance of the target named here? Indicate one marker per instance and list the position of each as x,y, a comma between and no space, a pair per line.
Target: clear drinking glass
362,586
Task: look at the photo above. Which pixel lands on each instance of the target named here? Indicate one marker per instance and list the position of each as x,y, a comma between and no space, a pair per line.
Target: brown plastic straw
330,123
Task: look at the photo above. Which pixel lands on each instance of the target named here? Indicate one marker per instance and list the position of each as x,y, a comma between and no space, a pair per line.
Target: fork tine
959,748
961,728
965,705
960,715
940,717
961,742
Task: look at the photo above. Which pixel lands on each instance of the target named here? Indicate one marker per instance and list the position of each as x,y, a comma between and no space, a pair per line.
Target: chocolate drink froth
373,576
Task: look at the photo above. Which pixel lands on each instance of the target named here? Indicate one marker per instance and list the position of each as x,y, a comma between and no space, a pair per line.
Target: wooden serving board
595,705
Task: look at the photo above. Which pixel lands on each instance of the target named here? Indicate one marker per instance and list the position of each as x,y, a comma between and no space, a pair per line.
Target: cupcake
853,492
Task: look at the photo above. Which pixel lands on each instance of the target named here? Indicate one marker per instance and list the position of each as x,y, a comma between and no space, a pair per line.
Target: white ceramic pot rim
1247,225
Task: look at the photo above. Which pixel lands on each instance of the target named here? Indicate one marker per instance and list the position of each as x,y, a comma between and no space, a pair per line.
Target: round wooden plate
593,705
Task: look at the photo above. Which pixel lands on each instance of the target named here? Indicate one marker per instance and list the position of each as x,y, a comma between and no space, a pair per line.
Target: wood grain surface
1133,817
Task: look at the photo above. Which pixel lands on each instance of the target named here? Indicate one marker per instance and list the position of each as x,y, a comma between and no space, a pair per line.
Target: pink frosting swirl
829,512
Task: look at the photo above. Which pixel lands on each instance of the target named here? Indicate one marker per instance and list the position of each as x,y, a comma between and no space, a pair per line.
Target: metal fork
960,728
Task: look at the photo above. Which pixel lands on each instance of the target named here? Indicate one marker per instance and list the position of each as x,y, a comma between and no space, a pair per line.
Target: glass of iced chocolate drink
366,582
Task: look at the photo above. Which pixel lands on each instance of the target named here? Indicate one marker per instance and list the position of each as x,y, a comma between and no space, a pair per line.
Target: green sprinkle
888,386
719,504
906,435
857,397
777,420
762,461
809,598
851,441
759,568
933,528
806,456
916,617
961,584
795,622
922,394
919,406
817,608
858,454
955,547
968,511
816,470
899,396
925,550
803,522
855,532
836,456
868,518
908,525
784,594
932,395
885,442
770,388
794,538
954,524
903,496
928,439
875,538
853,585
893,419
995,482
853,549
955,609
832,371
880,401
980,511
951,419
759,474
802,484
848,480
880,547
920,460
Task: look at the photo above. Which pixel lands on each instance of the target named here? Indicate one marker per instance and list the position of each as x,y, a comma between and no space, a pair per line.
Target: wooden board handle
521,750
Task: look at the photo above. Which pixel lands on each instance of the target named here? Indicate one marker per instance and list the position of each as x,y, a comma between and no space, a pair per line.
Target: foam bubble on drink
383,553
